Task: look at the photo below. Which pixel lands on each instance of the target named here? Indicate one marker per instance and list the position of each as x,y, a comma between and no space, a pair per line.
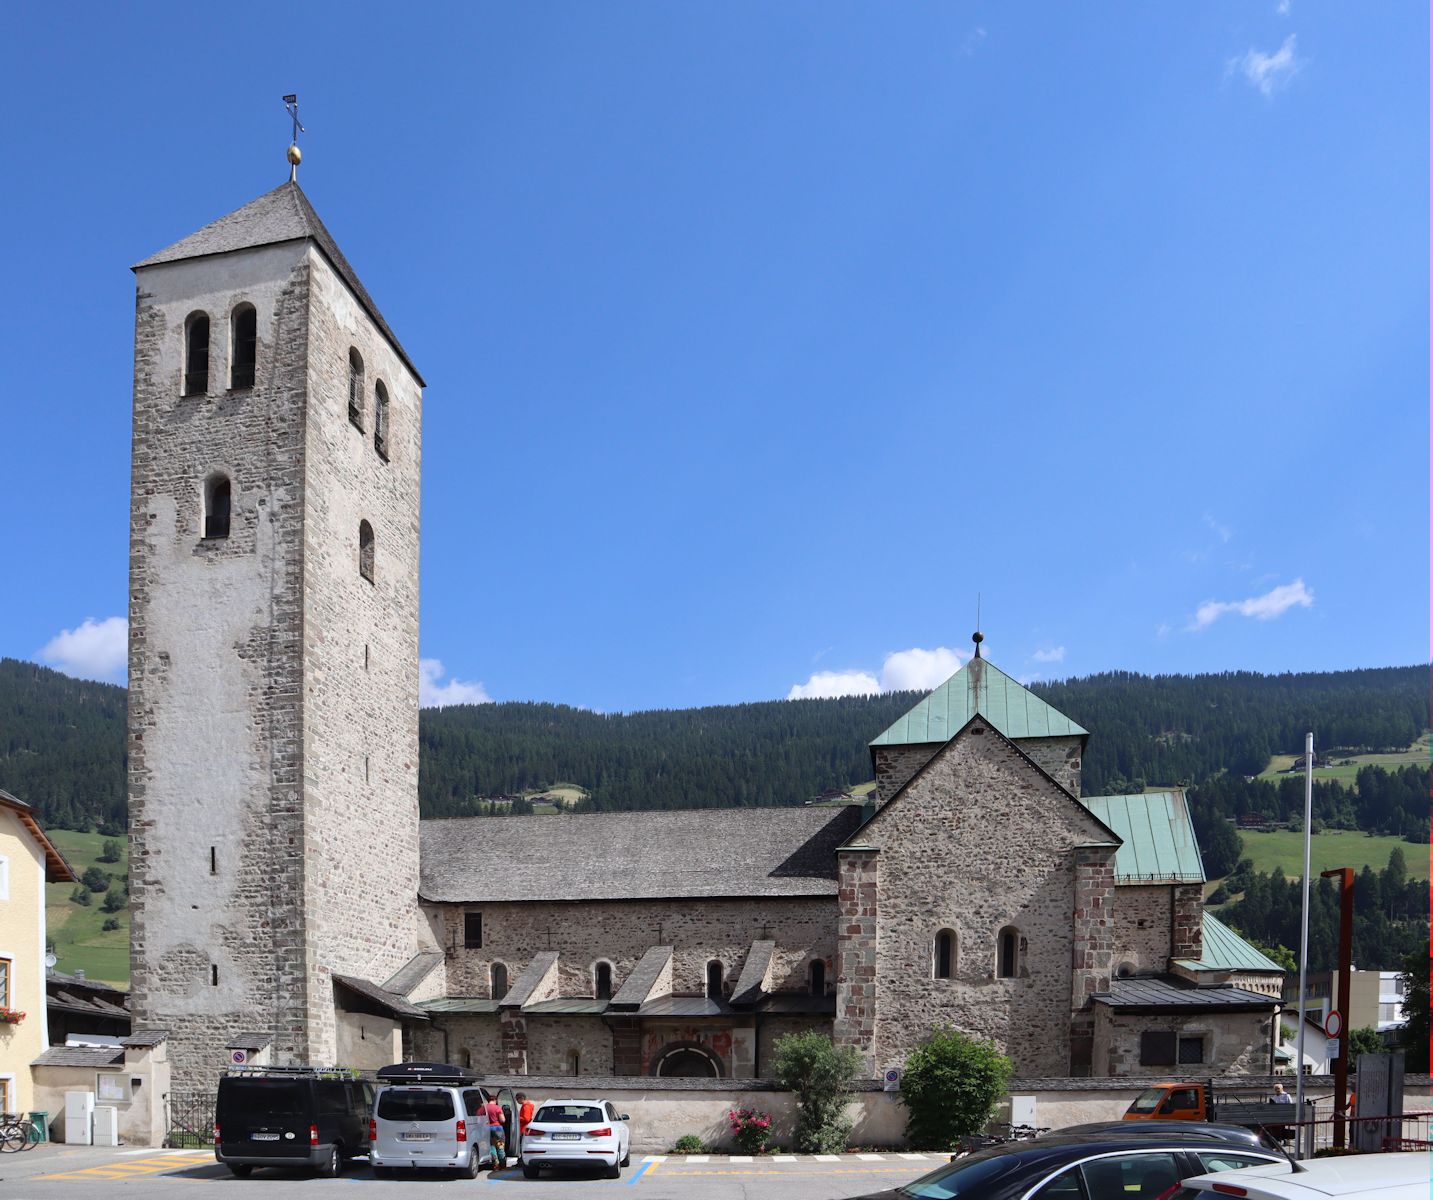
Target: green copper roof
1225,950
978,687
1158,836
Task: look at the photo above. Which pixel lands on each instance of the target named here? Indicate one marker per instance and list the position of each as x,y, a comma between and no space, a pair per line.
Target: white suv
571,1133
1398,1176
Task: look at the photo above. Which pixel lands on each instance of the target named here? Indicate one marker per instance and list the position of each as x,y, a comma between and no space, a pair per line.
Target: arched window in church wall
943,955
499,974
380,419
355,388
217,499
1010,953
816,977
365,550
196,354
715,973
602,981
243,346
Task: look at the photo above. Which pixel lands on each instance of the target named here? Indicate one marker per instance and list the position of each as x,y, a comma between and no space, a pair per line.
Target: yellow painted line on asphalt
135,1166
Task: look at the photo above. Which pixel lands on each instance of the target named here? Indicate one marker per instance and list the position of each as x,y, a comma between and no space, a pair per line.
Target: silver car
431,1117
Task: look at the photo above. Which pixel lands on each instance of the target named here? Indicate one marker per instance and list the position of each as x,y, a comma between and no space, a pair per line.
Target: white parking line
912,1157
828,1158
783,1158
696,1158
739,1158
655,1158
871,1157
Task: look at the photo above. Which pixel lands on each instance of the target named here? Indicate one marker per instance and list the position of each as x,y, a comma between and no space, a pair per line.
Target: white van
429,1117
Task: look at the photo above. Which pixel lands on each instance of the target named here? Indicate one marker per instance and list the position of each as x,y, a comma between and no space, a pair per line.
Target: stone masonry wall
1091,961
857,955
360,657
1059,757
896,764
977,842
1142,924
215,626
620,932
1186,935
1235,1043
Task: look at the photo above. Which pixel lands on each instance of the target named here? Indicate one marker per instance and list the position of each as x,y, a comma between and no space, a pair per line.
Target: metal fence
189,1119
1322,1134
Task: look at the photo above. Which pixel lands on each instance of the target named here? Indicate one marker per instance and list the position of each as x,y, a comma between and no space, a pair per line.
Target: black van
291,1117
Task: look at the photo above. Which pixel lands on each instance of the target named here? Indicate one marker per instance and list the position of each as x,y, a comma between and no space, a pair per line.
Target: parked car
1083,1167
1235,1135
569,1133
290,1117
429,1117
1396,1176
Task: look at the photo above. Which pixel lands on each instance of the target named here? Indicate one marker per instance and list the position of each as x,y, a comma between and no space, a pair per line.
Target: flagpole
1304,921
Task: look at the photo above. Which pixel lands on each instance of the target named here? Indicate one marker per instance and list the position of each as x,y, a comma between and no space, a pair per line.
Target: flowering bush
11,1016
752,1129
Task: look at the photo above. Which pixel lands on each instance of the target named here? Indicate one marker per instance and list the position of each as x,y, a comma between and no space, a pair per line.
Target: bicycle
17,1133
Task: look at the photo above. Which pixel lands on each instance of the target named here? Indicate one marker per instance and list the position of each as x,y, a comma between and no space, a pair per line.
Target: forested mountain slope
62,740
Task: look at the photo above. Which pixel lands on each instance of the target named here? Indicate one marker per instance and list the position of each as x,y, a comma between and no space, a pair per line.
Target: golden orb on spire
295,155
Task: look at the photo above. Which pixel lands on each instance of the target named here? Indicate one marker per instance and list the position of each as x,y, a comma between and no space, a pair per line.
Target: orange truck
1202,1101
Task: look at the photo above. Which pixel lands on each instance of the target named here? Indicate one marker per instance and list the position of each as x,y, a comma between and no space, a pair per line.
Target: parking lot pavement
52,1172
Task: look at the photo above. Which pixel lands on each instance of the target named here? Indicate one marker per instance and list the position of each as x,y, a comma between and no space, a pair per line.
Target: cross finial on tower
291,102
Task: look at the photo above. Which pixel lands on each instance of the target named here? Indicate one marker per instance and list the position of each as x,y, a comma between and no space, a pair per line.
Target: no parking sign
893,1079
238,1057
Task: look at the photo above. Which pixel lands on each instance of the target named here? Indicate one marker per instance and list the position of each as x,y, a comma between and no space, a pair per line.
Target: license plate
566,1137
415,1137
263,1137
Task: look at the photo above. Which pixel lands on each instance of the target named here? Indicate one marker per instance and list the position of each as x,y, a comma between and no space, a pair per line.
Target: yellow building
28,861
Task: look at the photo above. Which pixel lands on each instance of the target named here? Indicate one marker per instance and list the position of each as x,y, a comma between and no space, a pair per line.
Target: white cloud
96,650
919,670
1269,72
972,40
1284,6
432,694
1223,531
903,670
823,685
1273,603
1056,654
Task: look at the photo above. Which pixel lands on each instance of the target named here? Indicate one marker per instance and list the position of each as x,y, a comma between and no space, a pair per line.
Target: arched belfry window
943,956
365,550
714,979
602,981
380,419
1007,964
196,354
216,506
500,980
816,977
244,341
355,388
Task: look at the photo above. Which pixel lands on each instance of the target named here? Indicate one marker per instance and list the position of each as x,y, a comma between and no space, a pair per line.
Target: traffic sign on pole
1333,1023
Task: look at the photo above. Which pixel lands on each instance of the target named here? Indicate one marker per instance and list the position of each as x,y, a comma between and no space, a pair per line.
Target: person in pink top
494,1112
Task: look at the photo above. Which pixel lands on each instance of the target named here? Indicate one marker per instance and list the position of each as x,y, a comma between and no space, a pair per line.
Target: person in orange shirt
525,1110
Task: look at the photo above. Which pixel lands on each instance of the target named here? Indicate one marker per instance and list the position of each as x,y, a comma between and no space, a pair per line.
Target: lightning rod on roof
291,102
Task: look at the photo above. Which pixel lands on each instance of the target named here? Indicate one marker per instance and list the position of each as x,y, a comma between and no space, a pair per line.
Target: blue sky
762,338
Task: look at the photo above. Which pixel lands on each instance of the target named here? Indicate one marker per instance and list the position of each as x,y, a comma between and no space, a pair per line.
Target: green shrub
688,1143
95,879
81,895
110,852
113,901
110,924
819,1073
1219,895
950,1087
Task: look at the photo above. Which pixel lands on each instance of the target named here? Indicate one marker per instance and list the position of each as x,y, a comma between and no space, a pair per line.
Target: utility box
106,1125
79,1118
1022,1110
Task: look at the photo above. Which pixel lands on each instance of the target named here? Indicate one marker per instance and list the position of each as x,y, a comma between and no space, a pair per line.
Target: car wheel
627,1158
241,1170
475,1165
529,1171
615,1170
334,1164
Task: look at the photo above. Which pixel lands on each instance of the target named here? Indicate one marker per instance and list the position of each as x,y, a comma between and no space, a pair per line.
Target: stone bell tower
273,639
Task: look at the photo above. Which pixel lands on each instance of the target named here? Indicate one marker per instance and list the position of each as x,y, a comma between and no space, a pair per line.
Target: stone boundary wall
662,1110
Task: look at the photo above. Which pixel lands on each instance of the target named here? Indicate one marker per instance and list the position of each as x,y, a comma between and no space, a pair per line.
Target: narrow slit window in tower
216,507
213,860
714,980
355,388
1009,964
365,550
500,981
380,419
196,354
817,980
213,974
602,981
944,954
245,347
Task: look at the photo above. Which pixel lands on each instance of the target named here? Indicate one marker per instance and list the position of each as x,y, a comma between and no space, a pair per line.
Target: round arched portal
687,1060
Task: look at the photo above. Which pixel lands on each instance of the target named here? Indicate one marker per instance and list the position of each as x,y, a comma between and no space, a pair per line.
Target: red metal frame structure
1345,971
